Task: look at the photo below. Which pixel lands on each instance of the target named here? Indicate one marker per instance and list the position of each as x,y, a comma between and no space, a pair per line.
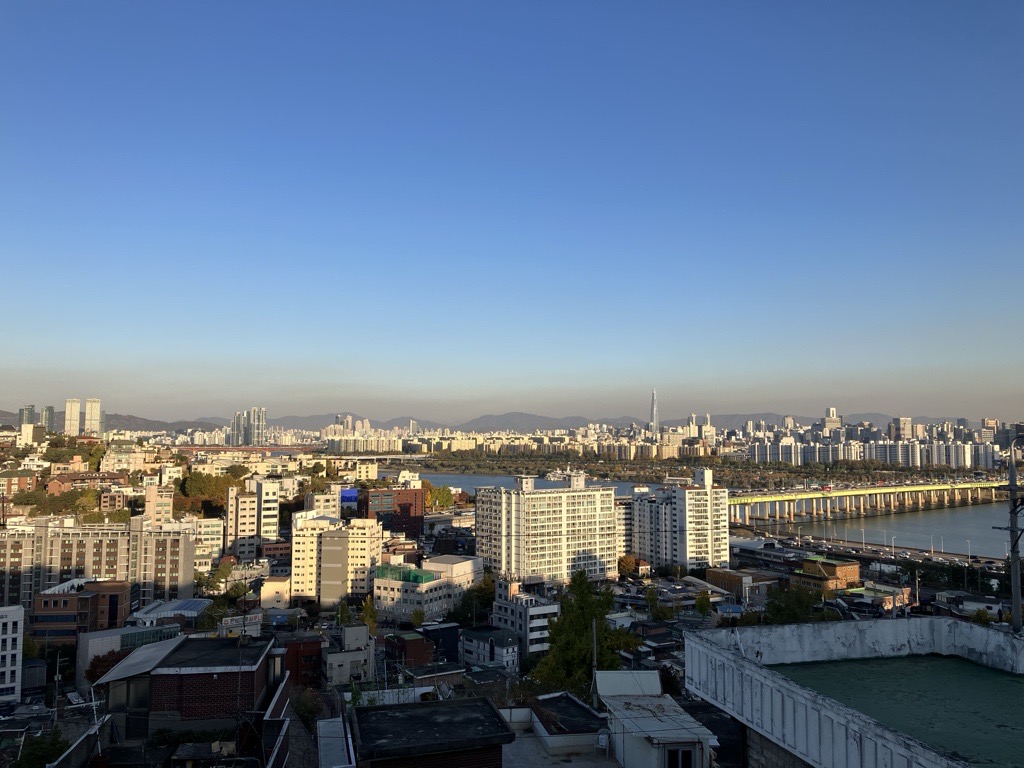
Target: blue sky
447,209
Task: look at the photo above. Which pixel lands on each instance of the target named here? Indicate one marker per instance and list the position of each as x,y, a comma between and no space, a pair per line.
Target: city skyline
455,210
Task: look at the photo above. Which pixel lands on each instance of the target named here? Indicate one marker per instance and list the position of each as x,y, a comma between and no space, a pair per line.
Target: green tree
29,647
344,613
703,603
791,606
442,498
368,614
40,751
308,706
237,471
568,663
418,617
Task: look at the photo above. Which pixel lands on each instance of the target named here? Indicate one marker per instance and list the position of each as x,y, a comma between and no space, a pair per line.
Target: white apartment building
525,614
93,417
533,535
72,416
332,559
683,525
252,518
305,573
436,588
159,507
12,627
208,533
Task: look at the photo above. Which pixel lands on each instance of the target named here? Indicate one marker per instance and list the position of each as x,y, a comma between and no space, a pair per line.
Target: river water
945,530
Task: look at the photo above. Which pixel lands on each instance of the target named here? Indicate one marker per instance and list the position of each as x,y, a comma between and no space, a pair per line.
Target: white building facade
535,535
683,525
12,626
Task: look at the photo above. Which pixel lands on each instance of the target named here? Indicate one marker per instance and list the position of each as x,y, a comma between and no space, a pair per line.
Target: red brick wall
483,757
201,697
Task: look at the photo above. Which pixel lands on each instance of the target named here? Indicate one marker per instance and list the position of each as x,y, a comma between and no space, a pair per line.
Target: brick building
189,684
80,481
826,574
400,510
61,613
15,481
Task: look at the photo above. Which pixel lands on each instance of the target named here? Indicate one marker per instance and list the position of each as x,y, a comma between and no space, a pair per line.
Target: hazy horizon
452,209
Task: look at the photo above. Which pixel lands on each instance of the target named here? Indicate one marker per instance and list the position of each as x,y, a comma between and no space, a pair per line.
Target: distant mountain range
506,422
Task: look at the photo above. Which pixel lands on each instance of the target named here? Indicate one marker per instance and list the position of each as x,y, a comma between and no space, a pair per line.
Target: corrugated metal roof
142,660
658,718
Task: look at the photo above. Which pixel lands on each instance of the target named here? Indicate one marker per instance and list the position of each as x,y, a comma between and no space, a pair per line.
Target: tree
100,665
368,614
418,617
237,471
627,565
568,663
344,613
442,498
791,606
41,751
307,706
703,603
30,649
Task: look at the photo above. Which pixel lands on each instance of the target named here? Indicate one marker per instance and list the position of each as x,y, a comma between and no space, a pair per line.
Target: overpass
788,506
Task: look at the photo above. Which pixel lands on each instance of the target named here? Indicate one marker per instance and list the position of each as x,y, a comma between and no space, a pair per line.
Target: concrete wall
882,638
826,734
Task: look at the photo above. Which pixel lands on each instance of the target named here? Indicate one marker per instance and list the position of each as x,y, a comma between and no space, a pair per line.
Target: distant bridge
787,506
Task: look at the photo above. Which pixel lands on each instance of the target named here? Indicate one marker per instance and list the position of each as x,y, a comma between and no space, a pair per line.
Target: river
947,530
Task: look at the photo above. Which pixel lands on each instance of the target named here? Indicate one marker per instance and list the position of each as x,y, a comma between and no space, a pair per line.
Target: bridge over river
749,508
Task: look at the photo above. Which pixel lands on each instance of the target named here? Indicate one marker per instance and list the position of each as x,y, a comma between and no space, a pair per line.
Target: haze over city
459,209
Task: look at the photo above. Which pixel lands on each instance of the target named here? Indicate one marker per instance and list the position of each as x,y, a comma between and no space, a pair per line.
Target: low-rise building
348,655
489,645
435,589
826,574
525,613
61,613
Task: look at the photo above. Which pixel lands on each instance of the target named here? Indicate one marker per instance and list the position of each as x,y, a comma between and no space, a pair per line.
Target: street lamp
893,547
968,551
863,544
798,540
931,538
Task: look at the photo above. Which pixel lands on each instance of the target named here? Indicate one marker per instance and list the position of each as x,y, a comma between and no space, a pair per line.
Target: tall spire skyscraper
655,427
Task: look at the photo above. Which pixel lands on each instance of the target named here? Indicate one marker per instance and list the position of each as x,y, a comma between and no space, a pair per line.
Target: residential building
103,641
93,417
15,481
348,558
208,535
525,613
333,560
80,481
482,646
422,734
26,415
348,656
684,525
59,614
51,551
537,535
252,517
276,592
48,419
400,510
188,684
72,417
159,507
12,625
435,589
249,427
826,574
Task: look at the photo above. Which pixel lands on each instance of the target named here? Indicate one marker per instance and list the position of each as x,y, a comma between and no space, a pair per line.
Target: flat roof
212,653
958,708
562,713
405,730
657,718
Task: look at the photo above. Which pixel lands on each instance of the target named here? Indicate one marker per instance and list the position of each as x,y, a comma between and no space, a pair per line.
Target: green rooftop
956,707
397,573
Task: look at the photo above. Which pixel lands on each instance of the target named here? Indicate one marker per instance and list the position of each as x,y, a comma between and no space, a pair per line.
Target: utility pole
593,682
1016,507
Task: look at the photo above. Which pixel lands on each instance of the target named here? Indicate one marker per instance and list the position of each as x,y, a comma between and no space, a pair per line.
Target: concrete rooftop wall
815,728
881,638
